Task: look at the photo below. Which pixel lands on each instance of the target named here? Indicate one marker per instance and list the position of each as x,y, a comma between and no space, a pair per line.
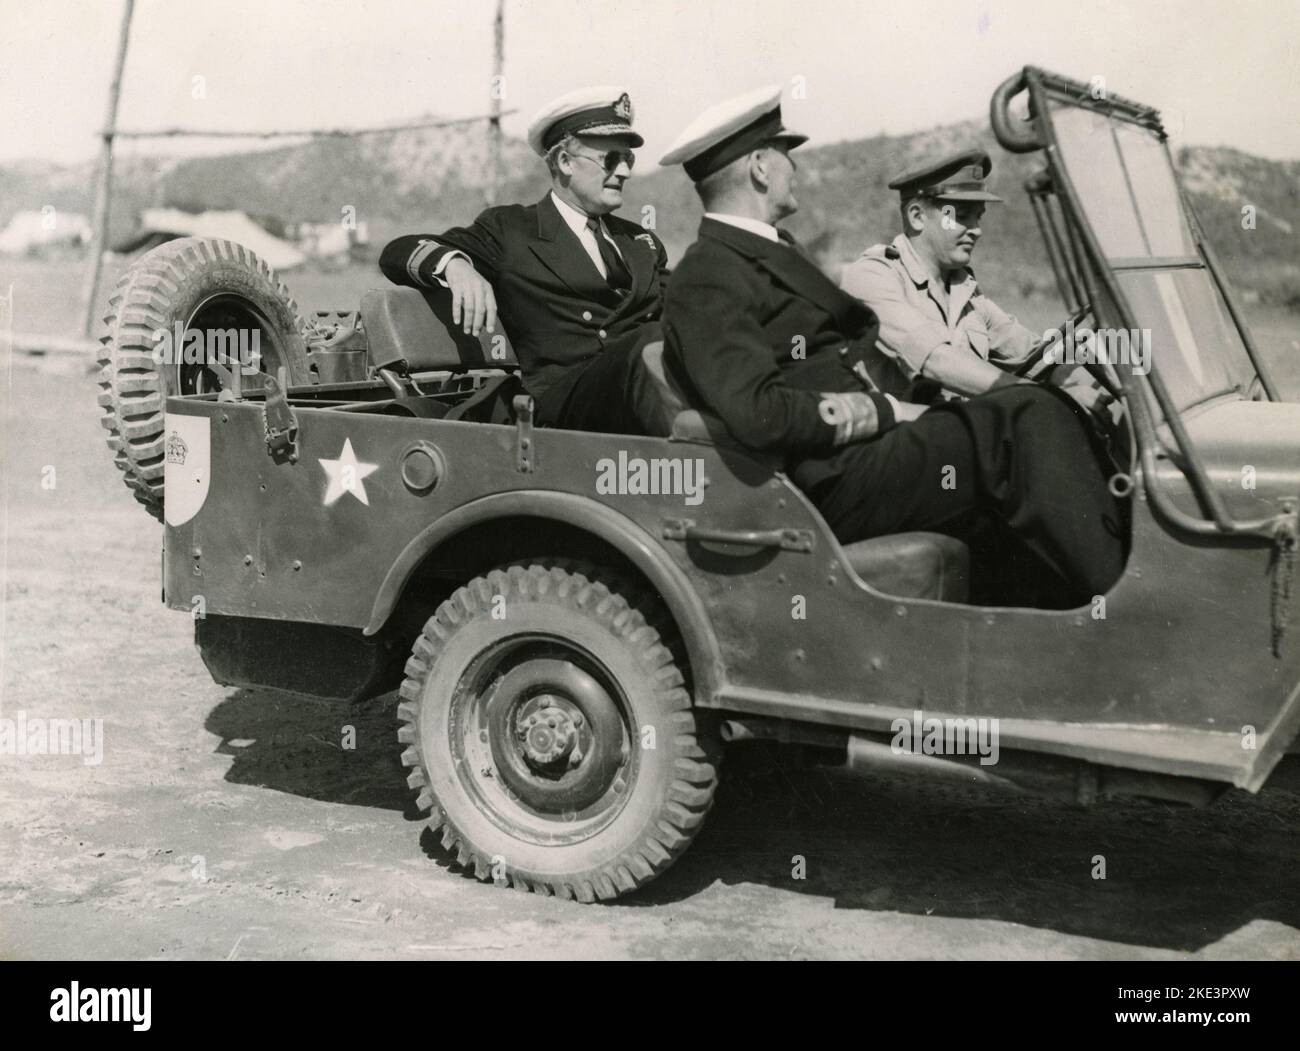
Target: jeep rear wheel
550,735
202,285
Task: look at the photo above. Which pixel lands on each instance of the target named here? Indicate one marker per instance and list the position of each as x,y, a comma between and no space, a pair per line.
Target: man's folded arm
1010,343
922,346
712,321
418,260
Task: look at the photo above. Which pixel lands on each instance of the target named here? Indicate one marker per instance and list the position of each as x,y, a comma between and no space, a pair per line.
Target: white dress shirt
754,226
577,222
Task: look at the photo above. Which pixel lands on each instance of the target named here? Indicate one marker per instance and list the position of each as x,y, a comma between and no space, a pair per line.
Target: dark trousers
1015,466
606,393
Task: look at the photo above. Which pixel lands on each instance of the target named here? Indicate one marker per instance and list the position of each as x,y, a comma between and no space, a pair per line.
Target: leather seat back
664,392
681,422
412,327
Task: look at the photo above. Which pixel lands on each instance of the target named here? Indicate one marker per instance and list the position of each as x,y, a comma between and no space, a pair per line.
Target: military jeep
579,624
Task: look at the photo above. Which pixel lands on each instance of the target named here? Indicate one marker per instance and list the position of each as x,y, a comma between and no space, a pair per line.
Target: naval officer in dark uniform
756,333
578,289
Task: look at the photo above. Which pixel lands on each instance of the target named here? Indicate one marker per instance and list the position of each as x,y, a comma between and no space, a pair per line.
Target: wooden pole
494,104
104,183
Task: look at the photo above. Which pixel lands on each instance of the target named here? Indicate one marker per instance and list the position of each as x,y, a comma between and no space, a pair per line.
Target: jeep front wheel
550,735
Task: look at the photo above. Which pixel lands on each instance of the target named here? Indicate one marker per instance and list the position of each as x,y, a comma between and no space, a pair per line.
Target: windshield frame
1048,93
1104,290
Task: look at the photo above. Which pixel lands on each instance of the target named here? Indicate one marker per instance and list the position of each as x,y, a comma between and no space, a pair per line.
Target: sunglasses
609,160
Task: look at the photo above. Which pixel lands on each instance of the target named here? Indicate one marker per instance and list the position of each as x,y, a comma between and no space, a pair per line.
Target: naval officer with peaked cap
757,334
578,289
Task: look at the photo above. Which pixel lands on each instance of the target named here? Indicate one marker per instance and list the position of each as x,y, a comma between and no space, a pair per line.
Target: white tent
31,229
231,226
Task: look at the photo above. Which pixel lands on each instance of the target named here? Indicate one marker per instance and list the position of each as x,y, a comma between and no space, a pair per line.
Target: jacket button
601,333
586,315
844,352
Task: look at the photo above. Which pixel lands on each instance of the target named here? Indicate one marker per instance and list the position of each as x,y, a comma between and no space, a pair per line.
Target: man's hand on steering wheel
1080,383
1056,346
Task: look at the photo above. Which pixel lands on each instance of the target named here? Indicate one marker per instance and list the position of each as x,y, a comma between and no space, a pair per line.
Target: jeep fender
595,518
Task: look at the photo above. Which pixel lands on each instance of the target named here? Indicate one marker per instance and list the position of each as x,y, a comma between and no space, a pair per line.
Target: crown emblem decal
177,450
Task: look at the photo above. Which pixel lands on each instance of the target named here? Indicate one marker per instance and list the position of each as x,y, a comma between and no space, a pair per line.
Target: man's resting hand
906,411
472,301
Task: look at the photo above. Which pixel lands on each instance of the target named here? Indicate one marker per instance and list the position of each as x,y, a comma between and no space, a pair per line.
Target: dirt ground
229,824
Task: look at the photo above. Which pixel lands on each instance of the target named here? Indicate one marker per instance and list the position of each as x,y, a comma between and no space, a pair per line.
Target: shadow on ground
1175,878
294,744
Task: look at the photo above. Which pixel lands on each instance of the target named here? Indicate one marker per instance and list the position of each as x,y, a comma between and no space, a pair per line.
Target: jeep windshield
1113,154
1124,178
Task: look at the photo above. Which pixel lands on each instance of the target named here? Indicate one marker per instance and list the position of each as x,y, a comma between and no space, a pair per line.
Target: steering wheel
1099,372
1040,351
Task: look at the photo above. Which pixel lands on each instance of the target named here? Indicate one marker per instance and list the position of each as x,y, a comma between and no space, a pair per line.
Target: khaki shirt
916,320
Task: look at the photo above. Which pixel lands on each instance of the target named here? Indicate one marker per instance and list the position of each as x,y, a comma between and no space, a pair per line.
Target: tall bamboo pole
104,183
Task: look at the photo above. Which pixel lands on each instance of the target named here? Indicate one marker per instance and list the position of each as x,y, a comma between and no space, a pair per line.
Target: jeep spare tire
172,313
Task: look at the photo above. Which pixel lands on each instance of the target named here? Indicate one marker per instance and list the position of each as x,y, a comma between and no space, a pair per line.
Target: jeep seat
905,565
913,565
410,330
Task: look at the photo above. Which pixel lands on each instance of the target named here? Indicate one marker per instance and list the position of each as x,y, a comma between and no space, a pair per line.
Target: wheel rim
225,311
541,739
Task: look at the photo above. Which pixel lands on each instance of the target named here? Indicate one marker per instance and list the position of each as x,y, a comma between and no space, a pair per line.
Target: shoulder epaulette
879,251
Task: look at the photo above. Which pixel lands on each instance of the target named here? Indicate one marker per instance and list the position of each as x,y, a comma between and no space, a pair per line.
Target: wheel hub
549,730
556,737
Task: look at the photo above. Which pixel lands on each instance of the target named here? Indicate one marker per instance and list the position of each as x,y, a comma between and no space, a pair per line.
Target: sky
1224,72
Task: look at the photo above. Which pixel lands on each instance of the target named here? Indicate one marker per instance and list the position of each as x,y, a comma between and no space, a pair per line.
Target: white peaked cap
601,110
729,130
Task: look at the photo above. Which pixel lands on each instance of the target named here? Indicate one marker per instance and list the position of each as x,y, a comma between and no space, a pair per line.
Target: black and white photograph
648,480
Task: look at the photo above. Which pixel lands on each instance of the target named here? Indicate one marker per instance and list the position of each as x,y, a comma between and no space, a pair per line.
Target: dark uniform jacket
753,330
557,309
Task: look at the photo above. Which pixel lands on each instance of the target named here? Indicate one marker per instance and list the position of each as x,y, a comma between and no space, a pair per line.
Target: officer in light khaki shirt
935,323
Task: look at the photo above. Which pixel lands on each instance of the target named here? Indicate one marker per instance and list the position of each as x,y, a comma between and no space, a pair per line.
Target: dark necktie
616,273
